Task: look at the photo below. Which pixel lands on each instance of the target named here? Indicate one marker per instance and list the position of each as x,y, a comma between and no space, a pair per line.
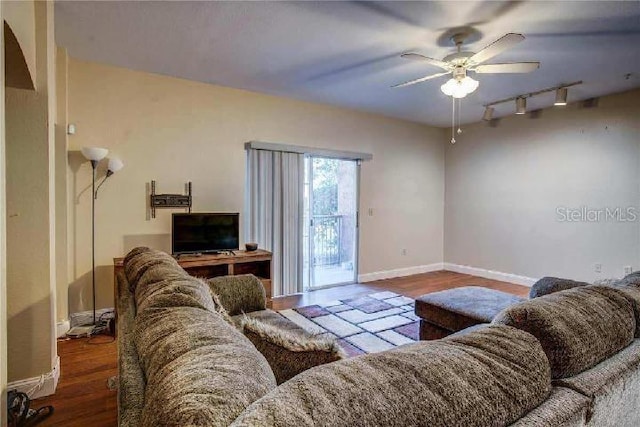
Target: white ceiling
347,53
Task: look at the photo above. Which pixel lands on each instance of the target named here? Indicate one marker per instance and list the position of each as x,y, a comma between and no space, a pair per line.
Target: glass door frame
310,279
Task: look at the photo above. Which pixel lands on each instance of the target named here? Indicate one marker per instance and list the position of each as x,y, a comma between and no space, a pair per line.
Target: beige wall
174,131
504,183
61,202
30,214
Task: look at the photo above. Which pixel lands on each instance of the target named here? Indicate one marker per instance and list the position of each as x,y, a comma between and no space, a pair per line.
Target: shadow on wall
80,290
161,242
25,358
17,73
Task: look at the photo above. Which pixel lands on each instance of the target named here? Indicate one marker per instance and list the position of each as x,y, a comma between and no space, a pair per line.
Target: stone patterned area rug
368,324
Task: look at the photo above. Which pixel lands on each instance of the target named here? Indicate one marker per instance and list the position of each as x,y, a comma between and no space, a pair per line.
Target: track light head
561,96
521,105
488,114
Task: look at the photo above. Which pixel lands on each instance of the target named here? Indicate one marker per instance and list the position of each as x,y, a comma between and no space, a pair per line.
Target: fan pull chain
453,120
459,110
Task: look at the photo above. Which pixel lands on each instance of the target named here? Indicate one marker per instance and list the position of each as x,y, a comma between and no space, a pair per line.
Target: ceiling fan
460,62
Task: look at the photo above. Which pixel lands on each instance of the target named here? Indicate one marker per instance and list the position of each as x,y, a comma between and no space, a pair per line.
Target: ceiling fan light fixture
469,84
521,105
488,114
561,96
459,88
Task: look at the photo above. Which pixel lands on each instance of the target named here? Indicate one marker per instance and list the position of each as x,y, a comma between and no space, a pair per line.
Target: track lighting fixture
561,96
488,114
521,100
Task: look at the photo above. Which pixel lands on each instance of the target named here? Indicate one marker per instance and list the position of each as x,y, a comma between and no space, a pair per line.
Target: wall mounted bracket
173,201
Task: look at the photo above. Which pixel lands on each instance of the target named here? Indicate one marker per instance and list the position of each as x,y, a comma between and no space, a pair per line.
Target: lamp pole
94,166
95,154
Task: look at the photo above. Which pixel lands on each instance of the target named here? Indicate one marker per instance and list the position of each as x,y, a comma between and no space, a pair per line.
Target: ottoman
446,312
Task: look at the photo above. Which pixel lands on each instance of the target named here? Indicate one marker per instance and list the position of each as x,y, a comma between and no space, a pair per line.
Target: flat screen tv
204,232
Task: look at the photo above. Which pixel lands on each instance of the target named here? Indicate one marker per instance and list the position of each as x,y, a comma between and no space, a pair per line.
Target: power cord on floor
102,328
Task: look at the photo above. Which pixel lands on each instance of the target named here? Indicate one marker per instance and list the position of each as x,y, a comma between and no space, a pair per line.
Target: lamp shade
115,164
94,153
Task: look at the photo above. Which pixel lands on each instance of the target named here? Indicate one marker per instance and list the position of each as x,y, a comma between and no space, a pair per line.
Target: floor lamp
95,154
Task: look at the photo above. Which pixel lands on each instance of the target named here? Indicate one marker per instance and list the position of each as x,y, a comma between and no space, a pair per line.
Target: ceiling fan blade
418,57
513,67
420,80
503,43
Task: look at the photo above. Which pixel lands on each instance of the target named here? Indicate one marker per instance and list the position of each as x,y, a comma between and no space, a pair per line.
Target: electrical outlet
628,269
370,211
404,252
597,268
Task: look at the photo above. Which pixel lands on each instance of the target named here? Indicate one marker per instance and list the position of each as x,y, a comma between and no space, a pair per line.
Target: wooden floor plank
83,399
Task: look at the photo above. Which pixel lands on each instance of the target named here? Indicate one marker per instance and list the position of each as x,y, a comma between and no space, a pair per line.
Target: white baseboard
62,328
44,385
399,272
490,274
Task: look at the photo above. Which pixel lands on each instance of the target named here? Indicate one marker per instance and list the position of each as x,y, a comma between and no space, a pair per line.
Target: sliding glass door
331,221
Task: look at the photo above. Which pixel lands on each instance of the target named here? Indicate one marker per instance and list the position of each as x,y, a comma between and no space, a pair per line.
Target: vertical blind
275,187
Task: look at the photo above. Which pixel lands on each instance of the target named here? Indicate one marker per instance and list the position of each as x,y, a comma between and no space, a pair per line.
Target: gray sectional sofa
567,359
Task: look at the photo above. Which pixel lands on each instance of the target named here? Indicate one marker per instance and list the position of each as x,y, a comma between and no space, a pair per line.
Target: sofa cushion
577,328
142,260
632,279
186,291
130,376
601,377
458,308
549,285
489,377
291,351
633,295
614,388
161,282
199,370
564,407
239,294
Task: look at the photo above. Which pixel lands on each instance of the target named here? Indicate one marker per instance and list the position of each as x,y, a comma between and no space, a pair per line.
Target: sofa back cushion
157,280
199,370
488,377
130,376
549,285
143,261
577,328
632,293
632,280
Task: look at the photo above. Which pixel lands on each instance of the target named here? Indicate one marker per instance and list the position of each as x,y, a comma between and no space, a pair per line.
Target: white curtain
274,213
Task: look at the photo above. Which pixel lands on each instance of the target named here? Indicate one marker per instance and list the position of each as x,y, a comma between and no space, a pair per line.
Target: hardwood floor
83,397
410,286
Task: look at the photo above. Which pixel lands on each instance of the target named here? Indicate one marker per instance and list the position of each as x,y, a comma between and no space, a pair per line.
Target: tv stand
209,265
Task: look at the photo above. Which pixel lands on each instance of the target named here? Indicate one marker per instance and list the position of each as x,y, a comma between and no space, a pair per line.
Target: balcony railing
327,238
